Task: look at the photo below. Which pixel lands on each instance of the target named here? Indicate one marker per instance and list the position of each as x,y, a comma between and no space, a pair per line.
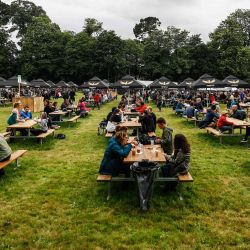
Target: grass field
54,202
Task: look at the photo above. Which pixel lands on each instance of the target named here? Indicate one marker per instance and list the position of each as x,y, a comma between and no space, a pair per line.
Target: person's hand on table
157,140
134,143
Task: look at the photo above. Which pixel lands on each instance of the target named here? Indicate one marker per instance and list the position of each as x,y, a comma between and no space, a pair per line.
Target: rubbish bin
145,173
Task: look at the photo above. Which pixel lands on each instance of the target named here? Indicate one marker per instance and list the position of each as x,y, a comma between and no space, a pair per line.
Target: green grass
54,202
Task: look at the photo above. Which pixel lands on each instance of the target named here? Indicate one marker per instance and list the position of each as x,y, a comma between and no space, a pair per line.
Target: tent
13,82
207,81
235,82
51,84
186,84
95,82
39,83
62,84
128,82
163,82
72,84
2,82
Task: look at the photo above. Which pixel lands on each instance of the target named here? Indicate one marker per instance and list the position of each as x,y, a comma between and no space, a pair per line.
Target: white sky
196,16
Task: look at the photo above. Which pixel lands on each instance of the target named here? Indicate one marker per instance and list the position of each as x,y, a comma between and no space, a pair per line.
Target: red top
212,99
96,97
223,122
141,109
82,106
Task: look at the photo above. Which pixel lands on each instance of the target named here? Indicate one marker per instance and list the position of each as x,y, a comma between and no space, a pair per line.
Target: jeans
226,128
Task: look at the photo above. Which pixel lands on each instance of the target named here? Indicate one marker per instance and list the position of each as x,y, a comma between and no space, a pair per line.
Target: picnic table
246,106
27,125
129,113
147,152
4,101
133,124
238,123
59,113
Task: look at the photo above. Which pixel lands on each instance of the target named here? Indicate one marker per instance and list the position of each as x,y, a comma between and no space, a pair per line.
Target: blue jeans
226,128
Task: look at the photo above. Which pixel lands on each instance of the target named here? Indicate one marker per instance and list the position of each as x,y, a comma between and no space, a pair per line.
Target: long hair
180,142
121,135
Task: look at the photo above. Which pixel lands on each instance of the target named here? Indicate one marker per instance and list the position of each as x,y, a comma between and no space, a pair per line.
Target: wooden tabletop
23,125
245,105
147,154
128,112
238,123
130,124
59,112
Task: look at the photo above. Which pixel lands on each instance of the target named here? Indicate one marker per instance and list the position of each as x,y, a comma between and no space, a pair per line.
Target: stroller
102,127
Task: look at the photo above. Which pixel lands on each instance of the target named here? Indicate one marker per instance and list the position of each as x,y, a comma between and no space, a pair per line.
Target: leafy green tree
109,59
92,27
133,53
80,57
43,50
22,16
145,27
8,52
4,13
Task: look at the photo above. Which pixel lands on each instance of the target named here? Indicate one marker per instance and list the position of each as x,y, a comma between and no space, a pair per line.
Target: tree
22,16
43,50
109,59
80,57
133,54
145,27
8,52
92,26
4,13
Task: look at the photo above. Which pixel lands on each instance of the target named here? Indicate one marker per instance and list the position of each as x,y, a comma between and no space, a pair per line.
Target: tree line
45,51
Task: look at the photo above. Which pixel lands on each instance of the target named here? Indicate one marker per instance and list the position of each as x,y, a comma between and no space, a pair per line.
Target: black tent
186,84
207,81
51,83
13,82
163,82
128,82
62,84
72,84
95,82
2,82
39,83
233,81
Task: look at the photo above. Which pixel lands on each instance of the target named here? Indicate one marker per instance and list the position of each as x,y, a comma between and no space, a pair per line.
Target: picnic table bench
218,134
14,157
149,155
74,118
44,135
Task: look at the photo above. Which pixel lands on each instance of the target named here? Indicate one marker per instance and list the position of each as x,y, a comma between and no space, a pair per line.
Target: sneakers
244,140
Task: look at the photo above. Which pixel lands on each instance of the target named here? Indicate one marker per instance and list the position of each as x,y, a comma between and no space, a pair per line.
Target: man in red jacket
97,99
142,108
223,124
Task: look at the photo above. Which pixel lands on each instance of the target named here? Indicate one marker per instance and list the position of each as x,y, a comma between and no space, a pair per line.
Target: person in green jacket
15,117
166,139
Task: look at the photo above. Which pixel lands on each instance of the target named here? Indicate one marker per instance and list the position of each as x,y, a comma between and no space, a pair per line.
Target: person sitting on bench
42,123
237,114
118,148
65,105
147,123
26,113
178,163
166,140
5,152
211,115
179,108
83,110
190,111
223,124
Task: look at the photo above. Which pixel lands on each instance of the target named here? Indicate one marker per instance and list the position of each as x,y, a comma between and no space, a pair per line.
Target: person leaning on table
223,124
5,152
166,139
118,148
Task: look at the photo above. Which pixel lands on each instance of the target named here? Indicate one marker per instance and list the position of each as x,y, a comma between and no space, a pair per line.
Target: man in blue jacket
210,116
26,113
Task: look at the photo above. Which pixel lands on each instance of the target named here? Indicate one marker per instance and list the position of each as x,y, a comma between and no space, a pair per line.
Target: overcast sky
196,16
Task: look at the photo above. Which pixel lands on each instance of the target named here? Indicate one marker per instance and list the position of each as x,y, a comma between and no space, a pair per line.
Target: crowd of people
177,150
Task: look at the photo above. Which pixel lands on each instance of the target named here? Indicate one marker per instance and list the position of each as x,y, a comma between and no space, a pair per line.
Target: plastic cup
152,142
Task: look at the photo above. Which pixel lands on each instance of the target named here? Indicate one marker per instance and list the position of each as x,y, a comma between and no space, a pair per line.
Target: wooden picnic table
246,106
148,153
238,123
60,113
22,125
131,114
134,124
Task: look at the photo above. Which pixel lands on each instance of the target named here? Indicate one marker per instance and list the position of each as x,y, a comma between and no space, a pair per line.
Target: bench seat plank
44,135
75,118
102,177
185,178
14,156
